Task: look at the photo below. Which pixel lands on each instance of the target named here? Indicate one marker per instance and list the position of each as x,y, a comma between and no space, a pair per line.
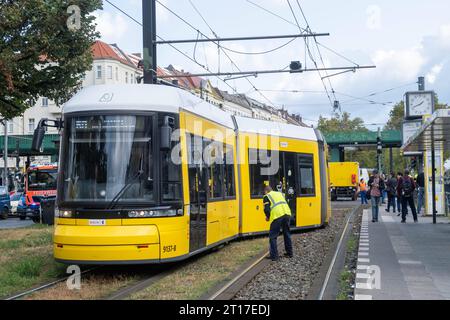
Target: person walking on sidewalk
278,214
376,186
399,196
363,191
383,192
391,188
406,186
420,192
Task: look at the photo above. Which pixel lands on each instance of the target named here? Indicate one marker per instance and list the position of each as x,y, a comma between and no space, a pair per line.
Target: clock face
420,104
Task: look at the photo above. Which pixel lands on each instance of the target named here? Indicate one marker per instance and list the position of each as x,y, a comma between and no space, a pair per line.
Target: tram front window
106,156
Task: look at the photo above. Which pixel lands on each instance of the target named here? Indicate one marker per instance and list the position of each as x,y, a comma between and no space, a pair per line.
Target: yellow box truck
344,178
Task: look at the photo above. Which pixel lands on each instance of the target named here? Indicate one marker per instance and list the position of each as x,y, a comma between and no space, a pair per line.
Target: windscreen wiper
122,191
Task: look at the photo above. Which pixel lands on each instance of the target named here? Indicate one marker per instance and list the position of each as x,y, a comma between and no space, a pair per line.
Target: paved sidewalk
403,261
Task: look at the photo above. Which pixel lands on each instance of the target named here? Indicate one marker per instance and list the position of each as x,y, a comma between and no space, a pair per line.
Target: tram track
227,289
239,280
20,295
339,250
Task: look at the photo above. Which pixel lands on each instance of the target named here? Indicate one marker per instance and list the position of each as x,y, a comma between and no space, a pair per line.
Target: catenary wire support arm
217,40
255,73
339,73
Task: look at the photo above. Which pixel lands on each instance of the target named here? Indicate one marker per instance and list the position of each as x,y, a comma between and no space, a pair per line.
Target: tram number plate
171,248
97,222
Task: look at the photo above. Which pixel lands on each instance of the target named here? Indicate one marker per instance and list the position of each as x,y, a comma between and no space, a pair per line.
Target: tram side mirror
166,133
38,138
39,132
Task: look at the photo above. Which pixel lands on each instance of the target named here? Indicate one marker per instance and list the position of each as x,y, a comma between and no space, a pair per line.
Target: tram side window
197,169
217,160
229,180
213,155
258,180
171,184
306,171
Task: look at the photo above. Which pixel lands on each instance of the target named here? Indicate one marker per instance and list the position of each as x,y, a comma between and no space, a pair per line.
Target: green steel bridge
338,141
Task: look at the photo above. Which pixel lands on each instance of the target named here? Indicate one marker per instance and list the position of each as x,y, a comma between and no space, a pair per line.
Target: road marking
362,276
364,244
364,285
364,260
409,262
363,253
363,297
362,267
364,249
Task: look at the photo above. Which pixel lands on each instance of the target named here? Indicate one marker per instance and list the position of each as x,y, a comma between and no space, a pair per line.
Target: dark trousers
391,202
405,202
400,204
281,223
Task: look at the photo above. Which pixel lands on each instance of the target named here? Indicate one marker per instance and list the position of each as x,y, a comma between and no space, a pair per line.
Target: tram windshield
106,155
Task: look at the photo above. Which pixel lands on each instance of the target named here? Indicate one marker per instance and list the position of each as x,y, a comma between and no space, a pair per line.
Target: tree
341,123
396,117
344,123
44,50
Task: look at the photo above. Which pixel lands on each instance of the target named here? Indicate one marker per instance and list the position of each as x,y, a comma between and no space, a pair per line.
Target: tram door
290,186
197,191
285,181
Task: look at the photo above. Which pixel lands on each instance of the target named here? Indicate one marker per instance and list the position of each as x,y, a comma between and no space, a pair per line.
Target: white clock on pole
419,103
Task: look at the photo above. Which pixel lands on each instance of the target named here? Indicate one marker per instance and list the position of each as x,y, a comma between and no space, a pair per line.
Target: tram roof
250,125
144,97
160,98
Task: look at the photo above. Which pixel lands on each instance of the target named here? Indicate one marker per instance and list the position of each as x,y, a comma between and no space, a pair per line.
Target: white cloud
402,65
111,26
444,35
434,73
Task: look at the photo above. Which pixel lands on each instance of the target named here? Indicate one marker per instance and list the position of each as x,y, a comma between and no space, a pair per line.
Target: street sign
409,129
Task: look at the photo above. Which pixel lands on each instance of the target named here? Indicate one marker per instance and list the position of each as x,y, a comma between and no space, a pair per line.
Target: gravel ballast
290,279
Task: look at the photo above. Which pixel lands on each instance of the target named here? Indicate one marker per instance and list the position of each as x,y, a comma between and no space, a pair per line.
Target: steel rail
45,286
338,249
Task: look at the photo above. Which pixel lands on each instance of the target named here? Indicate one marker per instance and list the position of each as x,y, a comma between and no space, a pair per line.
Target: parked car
5,203
31,211
15,199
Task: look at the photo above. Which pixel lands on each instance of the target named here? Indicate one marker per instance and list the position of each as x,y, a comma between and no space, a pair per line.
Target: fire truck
40,188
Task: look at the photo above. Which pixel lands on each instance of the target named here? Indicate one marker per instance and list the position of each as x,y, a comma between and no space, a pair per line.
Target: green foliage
344,123
341,123
39,55
396,117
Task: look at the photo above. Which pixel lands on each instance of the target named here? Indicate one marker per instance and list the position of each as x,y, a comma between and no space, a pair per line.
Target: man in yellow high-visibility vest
278,214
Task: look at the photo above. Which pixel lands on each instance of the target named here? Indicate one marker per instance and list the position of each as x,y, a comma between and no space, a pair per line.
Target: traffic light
379,146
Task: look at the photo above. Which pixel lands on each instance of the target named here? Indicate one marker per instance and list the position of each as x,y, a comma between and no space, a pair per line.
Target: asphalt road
14,223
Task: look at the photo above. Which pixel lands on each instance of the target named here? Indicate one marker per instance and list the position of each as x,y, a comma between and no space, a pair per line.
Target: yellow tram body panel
308,208
222,215
132,240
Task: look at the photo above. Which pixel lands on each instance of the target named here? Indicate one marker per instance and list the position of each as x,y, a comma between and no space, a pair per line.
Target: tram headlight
59,213
155,213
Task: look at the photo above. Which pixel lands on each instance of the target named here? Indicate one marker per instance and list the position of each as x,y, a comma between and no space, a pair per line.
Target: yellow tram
153,174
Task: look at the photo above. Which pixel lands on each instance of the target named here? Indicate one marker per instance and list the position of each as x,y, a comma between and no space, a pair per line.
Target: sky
404,39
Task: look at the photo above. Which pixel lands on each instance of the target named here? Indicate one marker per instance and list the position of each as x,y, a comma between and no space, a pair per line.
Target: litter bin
48,210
